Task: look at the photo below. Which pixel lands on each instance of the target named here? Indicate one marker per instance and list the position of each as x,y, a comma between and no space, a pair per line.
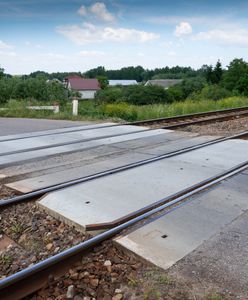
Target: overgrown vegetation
208,83
32,89
91,110
208,88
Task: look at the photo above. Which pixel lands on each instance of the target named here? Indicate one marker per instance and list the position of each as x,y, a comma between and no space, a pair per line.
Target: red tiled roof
78,83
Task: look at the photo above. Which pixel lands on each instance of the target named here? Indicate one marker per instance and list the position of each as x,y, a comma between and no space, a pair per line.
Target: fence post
74,106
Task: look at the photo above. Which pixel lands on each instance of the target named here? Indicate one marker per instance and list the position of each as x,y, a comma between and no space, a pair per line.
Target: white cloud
89,33
171,53
101,13
9,54
53,55
167,44
82,11
98,11
91,53
196,20
4,45
184,28
29,44
225,37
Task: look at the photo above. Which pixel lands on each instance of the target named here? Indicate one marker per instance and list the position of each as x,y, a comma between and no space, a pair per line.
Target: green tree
1,72
103,80
141,95
110,95
211,92
213,75
237,70
242,86
217,73
93,73
192,85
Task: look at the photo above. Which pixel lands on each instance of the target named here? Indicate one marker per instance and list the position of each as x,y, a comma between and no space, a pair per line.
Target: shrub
32,88
110,95
211,92
142,95
121,110
134,94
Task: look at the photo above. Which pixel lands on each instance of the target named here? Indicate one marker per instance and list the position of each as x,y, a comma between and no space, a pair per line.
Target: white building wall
87,94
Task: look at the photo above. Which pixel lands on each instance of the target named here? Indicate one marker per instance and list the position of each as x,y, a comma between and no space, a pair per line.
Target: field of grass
90,110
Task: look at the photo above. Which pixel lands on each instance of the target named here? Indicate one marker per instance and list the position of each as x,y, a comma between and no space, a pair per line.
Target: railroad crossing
170,190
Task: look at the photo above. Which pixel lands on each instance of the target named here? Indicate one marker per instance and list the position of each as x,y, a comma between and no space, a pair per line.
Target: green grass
6,259
188,107
215,297
90,110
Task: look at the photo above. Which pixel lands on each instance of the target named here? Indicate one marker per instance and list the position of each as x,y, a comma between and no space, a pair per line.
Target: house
122,82
165,83
87,87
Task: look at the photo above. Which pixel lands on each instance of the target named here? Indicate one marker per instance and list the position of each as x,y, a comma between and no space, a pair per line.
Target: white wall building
87,87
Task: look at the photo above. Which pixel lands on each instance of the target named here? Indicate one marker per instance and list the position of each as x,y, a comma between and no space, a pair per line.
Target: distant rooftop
122,82
78,83
165,83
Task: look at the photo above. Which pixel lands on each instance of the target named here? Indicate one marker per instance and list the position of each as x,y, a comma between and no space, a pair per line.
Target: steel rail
200,114
206,121
175,118
55,133
122,134
73,142
108,225
40,192
31,279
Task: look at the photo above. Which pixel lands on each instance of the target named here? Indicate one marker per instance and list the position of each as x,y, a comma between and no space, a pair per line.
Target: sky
77,35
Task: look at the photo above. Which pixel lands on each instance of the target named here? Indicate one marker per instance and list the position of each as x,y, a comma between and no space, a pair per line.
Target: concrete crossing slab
31,155
170,136
125,155
54,131
224,154
68,137
114,196
12,126
89,168
167,239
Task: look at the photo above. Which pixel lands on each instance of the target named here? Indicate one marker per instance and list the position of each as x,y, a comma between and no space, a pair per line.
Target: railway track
195,119
170,122
162,123
40,192
37,276
33,278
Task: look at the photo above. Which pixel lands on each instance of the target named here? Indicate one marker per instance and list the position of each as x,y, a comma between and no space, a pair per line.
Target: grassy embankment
90,110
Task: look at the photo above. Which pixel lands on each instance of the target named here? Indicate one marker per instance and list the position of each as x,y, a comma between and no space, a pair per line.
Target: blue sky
76,35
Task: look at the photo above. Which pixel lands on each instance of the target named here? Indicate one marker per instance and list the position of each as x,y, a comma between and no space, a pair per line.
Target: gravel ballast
224,128
35,235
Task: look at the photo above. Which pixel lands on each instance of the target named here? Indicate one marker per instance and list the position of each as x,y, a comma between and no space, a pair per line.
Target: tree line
207,82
